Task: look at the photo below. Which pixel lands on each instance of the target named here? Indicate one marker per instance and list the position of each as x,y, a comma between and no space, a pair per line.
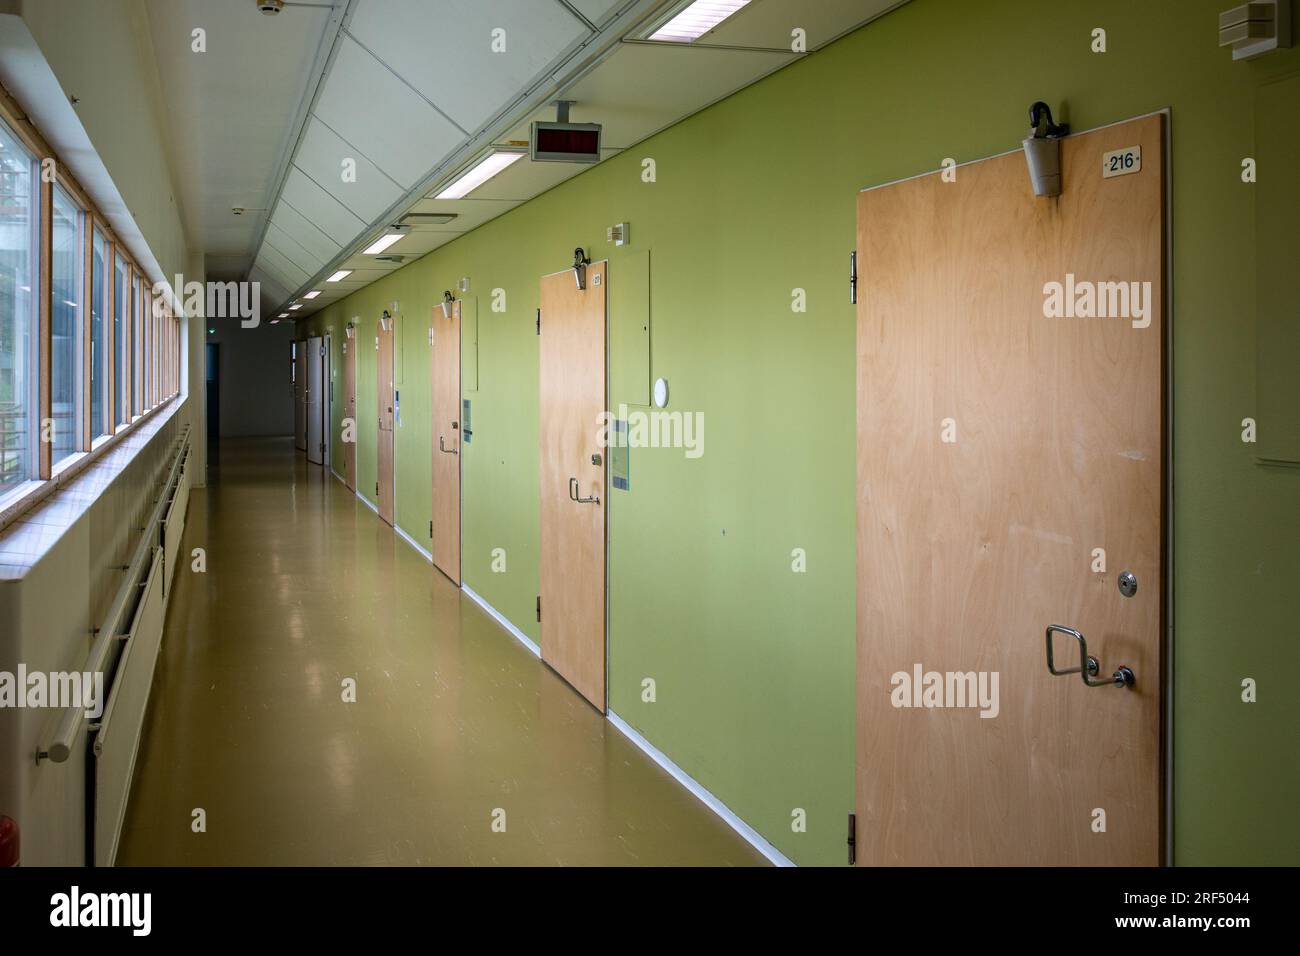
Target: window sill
28,496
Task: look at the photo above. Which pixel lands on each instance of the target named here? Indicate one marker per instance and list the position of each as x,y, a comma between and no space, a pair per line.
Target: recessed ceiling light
295,308
696,20
340,275
312,294
380,244
284,315
479,173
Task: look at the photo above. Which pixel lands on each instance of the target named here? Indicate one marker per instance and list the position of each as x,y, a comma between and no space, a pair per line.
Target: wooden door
1000,448
572,565
350,413
384,457
315,401
445,415
327,402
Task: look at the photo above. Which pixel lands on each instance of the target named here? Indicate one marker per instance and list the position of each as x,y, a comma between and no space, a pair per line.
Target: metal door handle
573,494
442,447
1089,666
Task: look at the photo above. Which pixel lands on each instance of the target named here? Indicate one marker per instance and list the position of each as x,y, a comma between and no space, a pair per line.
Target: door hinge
539,607
853,838
430,528
853,277
539,321
376,489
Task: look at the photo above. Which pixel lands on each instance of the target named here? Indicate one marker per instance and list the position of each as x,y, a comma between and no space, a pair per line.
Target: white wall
102,54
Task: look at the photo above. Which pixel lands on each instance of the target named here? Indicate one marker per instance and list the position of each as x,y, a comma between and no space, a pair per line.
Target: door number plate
1121,162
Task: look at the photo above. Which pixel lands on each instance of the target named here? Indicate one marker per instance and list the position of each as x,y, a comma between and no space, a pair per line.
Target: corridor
454,721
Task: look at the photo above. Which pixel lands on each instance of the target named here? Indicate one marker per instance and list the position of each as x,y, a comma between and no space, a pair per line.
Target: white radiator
174,523
118,738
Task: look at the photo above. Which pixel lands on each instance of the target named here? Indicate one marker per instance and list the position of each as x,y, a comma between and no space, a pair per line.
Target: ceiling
412,93
230,110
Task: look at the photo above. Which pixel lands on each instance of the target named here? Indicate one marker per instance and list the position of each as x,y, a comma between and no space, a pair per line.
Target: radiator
174,524
118,738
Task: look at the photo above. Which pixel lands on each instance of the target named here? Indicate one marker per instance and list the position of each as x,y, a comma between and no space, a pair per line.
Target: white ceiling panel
272,292
320,156
370,265
273,261
368,106
419,241
360,277
319,207
765,23
470,213
643,87
446,52
597,11
304,232
230,112
284,244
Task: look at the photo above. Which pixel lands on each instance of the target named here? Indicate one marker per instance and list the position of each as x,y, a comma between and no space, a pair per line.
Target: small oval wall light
661,392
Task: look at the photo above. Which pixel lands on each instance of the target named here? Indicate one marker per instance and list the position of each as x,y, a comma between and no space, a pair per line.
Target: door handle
573,494
1089,666
442,447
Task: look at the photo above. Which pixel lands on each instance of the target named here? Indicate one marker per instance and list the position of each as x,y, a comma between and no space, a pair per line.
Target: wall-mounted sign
1121,162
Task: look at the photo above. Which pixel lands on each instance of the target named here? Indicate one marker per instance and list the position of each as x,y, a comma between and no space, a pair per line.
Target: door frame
1166,633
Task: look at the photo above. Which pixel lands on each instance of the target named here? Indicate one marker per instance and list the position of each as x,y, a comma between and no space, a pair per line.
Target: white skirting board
501,619
752,836
411,541
368,503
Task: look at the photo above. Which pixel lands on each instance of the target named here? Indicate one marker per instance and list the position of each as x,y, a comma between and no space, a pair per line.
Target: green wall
754,664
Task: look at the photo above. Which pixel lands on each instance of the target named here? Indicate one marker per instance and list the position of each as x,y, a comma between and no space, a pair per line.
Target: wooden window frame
86,451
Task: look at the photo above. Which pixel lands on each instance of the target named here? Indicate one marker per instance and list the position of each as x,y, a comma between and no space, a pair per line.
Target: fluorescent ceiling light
380,244
295,308
284,315
312,294
340,275
479,173
696,20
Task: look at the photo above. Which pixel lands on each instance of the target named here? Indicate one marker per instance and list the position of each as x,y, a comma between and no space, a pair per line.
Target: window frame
35,319
44,474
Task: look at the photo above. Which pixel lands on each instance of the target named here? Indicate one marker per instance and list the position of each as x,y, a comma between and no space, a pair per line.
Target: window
85,344
137,347
98,354
121,346
148,351
18,316
68,252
